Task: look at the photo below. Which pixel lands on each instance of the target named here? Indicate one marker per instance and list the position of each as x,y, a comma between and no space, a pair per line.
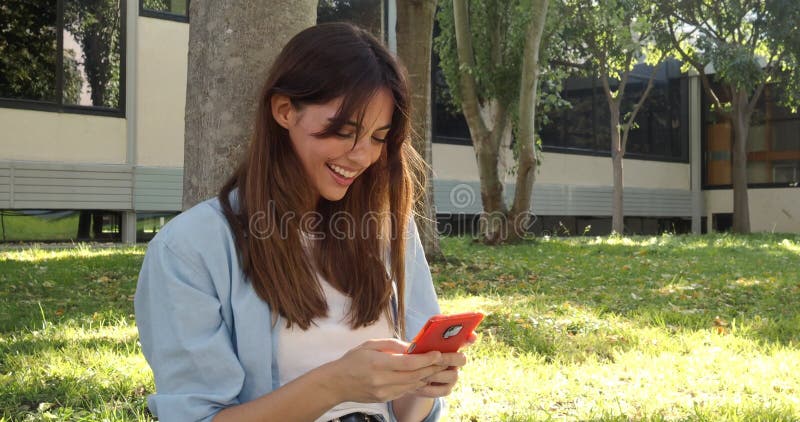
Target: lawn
602,329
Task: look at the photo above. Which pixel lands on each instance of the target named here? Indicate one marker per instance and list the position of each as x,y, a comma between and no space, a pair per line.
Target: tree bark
485,142
741,126
529,82
414,44
232,43
617,153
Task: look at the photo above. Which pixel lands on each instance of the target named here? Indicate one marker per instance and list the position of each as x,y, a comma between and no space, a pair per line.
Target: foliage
498,38
606,329
782,24
748,43
498,32
366,14
96,26
612,35
28,44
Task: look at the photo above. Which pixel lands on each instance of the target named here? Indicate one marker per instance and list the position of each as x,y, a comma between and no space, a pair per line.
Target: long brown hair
318,65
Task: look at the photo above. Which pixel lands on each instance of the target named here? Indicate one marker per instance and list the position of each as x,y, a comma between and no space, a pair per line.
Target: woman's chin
334,195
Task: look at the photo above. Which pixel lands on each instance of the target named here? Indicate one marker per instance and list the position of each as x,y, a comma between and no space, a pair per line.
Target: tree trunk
529,82
486,142
232,43
493,222
741,127
617,211
414,44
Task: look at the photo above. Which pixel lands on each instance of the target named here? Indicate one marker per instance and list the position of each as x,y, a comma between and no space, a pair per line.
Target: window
773,144
448,125
62,55
660,132
177,10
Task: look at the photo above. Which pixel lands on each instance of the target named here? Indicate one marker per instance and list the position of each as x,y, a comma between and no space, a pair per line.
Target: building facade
101,134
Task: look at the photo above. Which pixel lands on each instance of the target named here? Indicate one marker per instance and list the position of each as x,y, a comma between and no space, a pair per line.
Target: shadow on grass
45,345
67,287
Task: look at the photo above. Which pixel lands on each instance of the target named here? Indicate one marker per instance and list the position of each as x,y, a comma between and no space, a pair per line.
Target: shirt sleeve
184,338
421,301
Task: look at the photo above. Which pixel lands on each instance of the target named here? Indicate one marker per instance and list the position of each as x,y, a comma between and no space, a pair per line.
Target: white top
326,340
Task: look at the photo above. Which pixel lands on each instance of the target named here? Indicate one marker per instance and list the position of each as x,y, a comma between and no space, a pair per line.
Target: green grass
659,328
32,228
35,228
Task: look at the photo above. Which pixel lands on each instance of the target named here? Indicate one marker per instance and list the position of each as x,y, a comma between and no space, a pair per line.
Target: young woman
287,296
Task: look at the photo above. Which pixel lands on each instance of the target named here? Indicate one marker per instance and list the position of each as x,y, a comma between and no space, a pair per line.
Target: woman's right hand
380,371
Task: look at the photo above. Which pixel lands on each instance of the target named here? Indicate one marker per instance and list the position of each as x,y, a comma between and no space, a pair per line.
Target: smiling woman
332,162
240,320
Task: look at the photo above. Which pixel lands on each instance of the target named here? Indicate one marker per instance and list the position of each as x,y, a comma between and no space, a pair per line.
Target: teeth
342,172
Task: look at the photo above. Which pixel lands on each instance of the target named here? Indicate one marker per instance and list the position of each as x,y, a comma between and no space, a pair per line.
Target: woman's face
333,163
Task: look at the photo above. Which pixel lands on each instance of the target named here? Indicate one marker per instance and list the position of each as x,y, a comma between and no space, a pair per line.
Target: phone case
445,333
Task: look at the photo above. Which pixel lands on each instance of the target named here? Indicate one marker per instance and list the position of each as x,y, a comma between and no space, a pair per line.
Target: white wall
47,136
161,91
457,162
771,210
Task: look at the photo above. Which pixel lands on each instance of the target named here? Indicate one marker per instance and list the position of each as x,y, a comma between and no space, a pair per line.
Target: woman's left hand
441,383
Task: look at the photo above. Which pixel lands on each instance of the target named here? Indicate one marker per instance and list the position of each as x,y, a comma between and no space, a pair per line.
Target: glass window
171,7
579,118
449,124
28,50
576,126
786,171
657,126
86,72
92,53
773,143
586,125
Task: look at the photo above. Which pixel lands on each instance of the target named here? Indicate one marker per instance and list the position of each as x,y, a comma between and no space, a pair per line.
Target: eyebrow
354,124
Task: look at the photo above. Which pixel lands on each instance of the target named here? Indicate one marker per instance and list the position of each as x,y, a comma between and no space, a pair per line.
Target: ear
282,110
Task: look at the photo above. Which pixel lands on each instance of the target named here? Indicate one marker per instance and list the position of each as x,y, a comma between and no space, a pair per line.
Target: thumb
388,345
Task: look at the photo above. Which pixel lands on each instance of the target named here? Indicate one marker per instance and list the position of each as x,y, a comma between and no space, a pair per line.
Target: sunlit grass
643,328
655,328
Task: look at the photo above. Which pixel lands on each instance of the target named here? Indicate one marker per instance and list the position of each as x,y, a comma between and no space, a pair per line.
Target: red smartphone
445,333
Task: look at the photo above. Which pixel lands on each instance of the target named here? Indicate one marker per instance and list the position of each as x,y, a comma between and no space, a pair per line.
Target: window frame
59,106
147,13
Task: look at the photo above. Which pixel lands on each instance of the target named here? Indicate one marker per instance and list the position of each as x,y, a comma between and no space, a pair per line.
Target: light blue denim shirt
205,332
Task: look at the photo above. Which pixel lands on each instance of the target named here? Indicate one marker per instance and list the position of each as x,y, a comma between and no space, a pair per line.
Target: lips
339,179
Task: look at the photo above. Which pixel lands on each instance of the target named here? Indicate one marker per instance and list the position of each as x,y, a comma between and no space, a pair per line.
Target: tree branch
771,66
697,65
639,104
606,87
623,83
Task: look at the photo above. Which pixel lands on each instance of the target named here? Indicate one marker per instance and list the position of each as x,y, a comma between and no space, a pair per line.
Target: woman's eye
379,139
345,135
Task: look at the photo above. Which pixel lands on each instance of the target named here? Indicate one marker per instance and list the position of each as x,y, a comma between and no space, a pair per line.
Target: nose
365,151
